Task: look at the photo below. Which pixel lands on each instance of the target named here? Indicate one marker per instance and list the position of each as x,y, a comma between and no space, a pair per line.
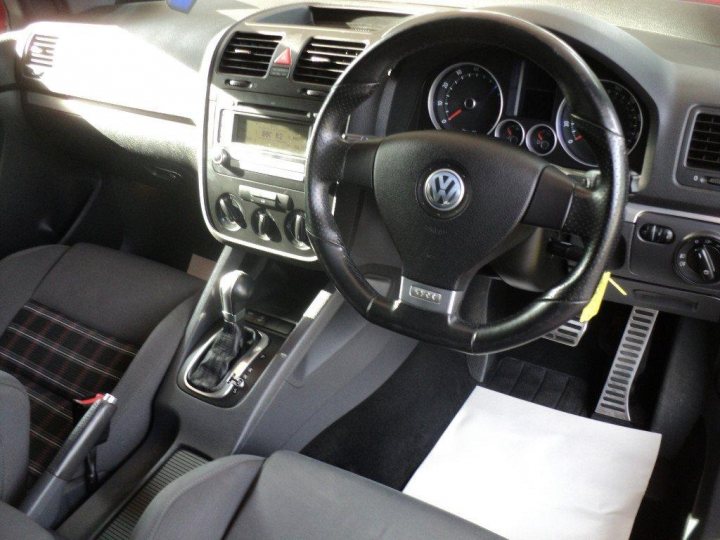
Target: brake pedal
615,398
569,333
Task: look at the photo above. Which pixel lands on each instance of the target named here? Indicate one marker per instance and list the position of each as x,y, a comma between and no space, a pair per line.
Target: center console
266,88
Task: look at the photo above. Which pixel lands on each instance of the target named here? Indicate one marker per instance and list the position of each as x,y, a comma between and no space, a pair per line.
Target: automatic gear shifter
233,340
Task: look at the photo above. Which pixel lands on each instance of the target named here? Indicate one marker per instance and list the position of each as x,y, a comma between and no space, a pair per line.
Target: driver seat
284,496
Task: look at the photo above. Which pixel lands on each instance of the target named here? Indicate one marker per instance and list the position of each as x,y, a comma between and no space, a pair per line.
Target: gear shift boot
232,342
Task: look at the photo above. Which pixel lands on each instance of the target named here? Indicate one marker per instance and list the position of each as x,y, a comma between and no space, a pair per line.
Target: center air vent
249,54
324,60
704,148
40,55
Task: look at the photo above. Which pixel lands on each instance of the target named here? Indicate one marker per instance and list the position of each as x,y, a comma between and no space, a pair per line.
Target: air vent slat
240,61
249,54
322,61
704,149
40,55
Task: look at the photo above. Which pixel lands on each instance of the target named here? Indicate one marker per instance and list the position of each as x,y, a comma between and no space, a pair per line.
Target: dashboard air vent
324,60
249,54
704,148
40,55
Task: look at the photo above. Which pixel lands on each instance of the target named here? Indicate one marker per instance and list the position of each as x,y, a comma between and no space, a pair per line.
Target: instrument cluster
528,110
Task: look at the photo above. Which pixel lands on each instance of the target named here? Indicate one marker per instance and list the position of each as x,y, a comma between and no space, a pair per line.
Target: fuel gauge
541,139
510,131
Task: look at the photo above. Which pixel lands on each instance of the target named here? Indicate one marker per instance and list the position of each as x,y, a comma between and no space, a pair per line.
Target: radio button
220,156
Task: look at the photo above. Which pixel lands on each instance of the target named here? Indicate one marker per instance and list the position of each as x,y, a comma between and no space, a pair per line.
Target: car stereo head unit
272,143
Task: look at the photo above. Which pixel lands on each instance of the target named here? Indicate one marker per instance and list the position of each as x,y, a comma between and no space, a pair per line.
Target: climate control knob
264,226
295,229
698,260
230,213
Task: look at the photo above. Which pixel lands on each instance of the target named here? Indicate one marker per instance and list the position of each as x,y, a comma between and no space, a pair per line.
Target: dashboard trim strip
633,211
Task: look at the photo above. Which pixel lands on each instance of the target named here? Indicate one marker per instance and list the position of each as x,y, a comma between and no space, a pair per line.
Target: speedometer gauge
628,111
465,97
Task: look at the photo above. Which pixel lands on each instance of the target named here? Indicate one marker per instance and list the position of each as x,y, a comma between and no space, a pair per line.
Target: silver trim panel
633,211
429,298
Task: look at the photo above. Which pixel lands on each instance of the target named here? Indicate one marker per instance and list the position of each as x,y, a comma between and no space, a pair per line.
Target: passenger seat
80,321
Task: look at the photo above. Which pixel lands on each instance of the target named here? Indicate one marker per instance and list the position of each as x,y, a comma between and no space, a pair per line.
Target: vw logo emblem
444,190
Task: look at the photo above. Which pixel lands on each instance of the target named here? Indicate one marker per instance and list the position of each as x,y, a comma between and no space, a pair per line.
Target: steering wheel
450,200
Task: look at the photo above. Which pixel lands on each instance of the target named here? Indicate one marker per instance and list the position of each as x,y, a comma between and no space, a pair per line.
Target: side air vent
249,54
704,148
324,60
40,55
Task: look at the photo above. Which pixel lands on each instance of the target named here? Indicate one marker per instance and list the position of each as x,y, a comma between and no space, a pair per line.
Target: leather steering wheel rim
543,196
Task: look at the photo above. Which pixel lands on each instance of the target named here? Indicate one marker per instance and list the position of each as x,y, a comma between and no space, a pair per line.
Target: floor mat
386,437
537,384
529,472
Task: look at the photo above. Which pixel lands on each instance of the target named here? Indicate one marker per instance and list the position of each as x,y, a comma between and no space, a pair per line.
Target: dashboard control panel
266,88
255,172
675,251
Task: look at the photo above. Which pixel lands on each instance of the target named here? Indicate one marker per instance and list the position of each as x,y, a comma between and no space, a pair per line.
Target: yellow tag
593,307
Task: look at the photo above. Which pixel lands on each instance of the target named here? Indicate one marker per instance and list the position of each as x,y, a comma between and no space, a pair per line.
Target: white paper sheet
529,472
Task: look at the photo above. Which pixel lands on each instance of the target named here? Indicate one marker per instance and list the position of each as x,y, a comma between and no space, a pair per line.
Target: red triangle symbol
285,58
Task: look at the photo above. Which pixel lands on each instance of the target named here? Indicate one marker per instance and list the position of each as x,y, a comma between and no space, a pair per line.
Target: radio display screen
271,134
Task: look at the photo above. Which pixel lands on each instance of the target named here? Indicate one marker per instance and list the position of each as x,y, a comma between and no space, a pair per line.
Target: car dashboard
232,106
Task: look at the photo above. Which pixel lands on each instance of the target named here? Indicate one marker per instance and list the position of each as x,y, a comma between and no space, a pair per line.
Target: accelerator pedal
615,398
569,333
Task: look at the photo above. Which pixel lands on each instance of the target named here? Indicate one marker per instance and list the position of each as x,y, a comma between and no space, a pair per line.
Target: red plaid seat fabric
58,360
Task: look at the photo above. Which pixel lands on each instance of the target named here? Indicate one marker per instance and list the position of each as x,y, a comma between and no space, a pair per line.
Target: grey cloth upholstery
201,503
14,438
136,390
117,294
14,525
292,497
20,275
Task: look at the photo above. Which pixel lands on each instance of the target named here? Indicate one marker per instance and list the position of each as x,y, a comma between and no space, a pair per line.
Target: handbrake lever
44,502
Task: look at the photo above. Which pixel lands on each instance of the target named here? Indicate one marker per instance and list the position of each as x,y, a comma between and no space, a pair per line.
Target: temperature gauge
541,139
510,131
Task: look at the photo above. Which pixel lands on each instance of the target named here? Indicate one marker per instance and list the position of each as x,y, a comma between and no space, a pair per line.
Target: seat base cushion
292,496
15,525
14,428
58,360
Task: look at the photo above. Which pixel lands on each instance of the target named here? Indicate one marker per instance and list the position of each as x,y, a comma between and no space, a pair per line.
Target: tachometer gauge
465,97
628,111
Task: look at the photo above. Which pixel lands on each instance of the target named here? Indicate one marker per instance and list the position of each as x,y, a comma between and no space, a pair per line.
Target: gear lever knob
235,290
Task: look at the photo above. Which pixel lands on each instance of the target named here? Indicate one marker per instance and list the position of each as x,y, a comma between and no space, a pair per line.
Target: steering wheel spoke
564,203
359,161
